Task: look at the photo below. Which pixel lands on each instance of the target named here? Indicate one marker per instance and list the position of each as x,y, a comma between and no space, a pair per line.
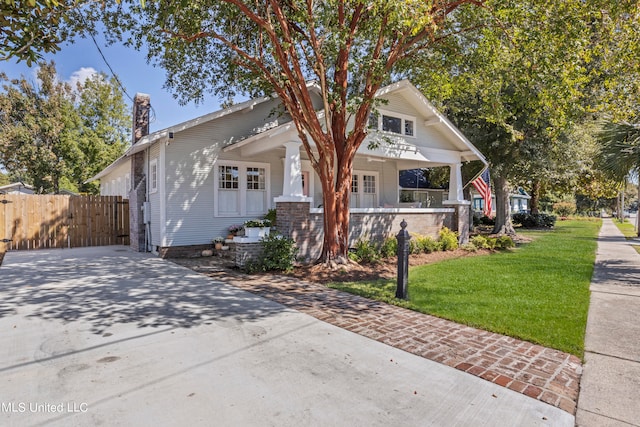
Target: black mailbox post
403,262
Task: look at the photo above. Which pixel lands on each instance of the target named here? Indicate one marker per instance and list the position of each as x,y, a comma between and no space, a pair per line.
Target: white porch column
455,183
292,184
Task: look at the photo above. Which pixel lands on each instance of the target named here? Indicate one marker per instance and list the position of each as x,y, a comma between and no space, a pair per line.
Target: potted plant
218,241
233,230
257,228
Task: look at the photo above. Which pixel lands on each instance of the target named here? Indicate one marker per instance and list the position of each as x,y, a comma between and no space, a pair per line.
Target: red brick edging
548,375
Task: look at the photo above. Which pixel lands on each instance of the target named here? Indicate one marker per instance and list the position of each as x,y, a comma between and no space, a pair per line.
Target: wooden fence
58,221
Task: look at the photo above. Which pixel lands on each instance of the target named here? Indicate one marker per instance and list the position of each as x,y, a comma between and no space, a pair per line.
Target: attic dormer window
396,123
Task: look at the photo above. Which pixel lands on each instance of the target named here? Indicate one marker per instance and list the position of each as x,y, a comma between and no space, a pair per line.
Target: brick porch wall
293,219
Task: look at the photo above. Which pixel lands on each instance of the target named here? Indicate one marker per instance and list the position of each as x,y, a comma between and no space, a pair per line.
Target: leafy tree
620,153
34,141
4,179
103,128
54,137
517,90
30,28
351,48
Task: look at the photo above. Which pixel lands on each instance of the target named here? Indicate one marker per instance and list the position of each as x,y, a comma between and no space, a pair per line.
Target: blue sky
82,57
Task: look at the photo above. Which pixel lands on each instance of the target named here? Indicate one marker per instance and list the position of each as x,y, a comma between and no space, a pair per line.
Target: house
16,188
197,178
518,202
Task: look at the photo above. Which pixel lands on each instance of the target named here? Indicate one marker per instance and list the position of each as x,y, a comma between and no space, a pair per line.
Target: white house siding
427,136
189,174
114,183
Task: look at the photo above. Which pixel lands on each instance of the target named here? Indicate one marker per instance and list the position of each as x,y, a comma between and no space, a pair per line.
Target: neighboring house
518,202
16,188
232,165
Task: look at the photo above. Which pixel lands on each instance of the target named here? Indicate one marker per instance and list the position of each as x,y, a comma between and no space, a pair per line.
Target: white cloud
81,75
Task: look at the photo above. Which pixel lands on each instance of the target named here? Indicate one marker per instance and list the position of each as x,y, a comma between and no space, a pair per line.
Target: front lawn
538,292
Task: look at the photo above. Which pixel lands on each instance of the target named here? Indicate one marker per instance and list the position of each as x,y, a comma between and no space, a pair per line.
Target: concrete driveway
105,336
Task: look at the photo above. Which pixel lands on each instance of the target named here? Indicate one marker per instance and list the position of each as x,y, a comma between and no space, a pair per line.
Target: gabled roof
416,98
15,186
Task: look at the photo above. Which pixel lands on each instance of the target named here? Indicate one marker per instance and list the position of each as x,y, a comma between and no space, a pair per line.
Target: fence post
403,262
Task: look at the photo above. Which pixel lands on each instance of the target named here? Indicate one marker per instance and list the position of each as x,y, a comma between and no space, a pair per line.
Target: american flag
483,185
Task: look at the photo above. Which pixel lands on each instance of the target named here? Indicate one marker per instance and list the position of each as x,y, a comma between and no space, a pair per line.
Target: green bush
448,239
414,246
428,244
479,241
278,254
365,251
469,247
505,242
389,247
564,208
528,220
271,216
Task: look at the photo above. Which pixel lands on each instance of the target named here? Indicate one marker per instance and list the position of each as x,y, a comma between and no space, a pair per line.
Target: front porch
305,225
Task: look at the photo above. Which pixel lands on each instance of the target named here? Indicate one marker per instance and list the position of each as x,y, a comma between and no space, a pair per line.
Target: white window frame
153,175
127,185
359,174
242,186
402,117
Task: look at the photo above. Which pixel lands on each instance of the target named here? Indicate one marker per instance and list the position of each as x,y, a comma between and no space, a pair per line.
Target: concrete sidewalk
610,385
106,336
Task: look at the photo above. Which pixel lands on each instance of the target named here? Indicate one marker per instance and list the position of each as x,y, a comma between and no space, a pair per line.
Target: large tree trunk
503,210
535,197
336,196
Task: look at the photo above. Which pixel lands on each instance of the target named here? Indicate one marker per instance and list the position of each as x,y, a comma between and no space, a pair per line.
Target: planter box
256,231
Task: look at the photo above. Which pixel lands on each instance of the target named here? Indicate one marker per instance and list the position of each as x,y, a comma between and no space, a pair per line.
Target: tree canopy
53,136
519,87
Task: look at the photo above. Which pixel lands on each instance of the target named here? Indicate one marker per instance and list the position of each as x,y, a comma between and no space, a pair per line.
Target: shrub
414,246
428,244
278,254
389,247
528,220
485,220
479,242
564,208
365,251
448,239
491,242
469,247
505,242
271,216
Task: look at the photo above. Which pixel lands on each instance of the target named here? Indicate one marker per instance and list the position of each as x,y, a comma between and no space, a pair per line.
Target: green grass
627,228
538,292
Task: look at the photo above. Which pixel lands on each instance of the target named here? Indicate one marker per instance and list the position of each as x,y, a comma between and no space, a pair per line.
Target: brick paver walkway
542,373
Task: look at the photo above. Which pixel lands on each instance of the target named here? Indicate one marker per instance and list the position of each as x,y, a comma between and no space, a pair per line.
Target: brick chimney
137,194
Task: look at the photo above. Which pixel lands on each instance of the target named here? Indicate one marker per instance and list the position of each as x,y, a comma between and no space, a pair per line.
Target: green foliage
469,247
448,239
365,251
389,247
260,223
54,137
278,254
483,220
29,29
504,242
271,216
528,220
480,242
427,244
564,208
